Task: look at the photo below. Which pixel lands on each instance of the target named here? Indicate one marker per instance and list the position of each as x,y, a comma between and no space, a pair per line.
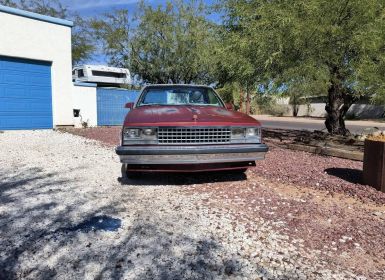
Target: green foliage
294,48
166,44
9,3
170,43
267,104
227,92
82,44
232,92
320,47
114,32
52,8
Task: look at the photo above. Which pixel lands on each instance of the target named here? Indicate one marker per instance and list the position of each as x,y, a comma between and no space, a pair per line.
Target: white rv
101,75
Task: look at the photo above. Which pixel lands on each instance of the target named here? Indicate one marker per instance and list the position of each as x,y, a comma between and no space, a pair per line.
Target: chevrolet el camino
184,128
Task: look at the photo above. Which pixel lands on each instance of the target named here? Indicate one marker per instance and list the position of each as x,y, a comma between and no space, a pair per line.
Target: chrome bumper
191,154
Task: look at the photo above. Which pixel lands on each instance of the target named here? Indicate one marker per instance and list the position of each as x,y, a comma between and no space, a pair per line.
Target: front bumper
163,155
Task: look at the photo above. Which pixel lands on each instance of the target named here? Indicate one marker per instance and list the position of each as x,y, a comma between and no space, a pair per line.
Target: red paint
184,116
129,105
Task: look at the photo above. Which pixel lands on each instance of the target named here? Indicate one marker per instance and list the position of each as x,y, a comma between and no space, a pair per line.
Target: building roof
175,85
35,16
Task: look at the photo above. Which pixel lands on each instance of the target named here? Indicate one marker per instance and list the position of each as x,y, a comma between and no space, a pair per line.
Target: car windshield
180,96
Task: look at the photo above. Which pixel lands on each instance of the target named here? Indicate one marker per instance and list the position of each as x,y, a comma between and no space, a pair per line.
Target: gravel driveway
65,215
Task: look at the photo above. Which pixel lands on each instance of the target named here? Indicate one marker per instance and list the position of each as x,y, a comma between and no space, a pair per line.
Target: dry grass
378,138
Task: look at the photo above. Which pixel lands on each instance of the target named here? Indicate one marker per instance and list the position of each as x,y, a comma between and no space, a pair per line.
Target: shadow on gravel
36,207
151,252
50,228
350,175
9,185
179,179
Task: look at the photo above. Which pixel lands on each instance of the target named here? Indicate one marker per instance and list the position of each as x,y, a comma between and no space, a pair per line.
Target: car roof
175,85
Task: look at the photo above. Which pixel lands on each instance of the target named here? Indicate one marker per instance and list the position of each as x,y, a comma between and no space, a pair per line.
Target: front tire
124,171
127,174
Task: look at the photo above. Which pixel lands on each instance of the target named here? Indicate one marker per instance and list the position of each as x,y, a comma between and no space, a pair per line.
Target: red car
184,128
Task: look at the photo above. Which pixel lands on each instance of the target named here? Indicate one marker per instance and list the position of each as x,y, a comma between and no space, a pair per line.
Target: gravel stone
65,215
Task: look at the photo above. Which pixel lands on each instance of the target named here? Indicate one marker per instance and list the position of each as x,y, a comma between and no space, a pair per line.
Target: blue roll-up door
110,105
25,94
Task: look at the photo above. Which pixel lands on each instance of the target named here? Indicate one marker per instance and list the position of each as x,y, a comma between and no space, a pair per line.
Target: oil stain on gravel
97,223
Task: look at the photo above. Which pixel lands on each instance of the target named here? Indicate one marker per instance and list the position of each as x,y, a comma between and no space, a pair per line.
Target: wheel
128,174
124,172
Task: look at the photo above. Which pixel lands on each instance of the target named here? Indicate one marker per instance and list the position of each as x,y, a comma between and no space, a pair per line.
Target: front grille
194,135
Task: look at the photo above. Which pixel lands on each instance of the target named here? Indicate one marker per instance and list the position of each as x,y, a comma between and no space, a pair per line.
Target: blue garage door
110,104
25,94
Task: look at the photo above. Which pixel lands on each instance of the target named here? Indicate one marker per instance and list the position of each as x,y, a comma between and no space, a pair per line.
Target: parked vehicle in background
101,75
184,128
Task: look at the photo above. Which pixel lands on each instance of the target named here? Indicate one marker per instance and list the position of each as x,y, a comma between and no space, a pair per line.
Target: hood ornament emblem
195,117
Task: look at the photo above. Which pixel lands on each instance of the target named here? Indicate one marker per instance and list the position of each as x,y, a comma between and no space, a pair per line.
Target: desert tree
170,43
334,48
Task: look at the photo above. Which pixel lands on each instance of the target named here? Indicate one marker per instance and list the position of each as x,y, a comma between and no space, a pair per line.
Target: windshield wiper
150,104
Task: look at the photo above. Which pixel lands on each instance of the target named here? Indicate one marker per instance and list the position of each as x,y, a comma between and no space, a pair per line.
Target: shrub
267,104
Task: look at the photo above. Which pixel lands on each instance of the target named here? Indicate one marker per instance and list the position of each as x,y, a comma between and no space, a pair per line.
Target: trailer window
80,73
108,74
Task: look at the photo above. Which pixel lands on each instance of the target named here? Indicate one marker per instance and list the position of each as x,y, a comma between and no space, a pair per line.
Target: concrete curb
328,151
366,123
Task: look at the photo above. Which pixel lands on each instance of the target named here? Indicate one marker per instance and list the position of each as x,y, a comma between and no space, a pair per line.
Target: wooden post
374,164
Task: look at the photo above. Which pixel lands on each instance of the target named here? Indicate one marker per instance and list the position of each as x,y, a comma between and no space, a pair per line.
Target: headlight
237,132
245,133
148,131
252,132
132,134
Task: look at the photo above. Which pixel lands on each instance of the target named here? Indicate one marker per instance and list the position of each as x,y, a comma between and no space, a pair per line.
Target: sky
89,8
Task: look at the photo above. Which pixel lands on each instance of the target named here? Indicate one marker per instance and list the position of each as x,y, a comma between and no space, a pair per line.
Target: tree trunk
247,102
295,110
338,103
241,100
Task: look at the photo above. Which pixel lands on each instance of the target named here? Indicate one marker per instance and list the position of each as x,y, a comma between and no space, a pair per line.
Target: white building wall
24,37
84,99
366,111
356,111
312,110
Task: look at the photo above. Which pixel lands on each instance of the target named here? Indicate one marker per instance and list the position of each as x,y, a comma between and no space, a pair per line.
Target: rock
377,133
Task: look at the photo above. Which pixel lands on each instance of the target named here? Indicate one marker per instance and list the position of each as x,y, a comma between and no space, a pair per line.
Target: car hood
187,115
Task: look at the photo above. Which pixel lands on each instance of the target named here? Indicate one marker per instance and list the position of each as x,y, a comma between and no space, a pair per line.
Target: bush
226,93
267,104
278,110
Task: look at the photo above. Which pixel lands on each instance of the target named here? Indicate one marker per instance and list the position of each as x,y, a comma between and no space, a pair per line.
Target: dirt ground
64,214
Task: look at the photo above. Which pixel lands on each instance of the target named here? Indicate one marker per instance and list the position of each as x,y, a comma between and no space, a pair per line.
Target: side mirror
129,105
229,106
